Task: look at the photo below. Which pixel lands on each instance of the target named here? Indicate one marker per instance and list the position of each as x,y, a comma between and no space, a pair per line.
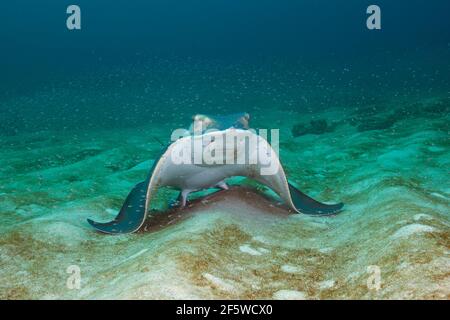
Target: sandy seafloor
387,161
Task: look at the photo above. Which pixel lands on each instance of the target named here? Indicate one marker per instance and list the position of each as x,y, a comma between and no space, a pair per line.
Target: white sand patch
326,250
263,250
439,195
289,295
411,229
133,256
315,224
327,284
353,275
63,232
261,239
403,265
219,283
422,216
291,269
50,296
30,209
247,249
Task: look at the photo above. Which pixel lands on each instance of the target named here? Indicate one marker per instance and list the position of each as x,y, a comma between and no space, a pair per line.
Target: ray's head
202,123
244,121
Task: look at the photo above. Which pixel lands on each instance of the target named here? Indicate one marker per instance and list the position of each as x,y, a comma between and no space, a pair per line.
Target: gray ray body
179,171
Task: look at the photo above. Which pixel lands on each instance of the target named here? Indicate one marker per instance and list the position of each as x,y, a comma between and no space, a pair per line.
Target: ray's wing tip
102,227
331,210
96,225
111,229
339,206
91,222
335,209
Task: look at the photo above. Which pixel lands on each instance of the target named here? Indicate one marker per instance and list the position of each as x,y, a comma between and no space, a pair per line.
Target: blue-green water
363,118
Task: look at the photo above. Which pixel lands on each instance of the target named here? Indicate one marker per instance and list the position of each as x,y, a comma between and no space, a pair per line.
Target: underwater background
363,118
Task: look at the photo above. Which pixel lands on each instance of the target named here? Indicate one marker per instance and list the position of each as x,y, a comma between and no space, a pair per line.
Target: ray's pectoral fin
134,210
131,216
182,198
308,205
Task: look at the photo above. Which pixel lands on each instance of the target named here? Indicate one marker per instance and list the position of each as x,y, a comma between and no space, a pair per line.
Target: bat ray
249,155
